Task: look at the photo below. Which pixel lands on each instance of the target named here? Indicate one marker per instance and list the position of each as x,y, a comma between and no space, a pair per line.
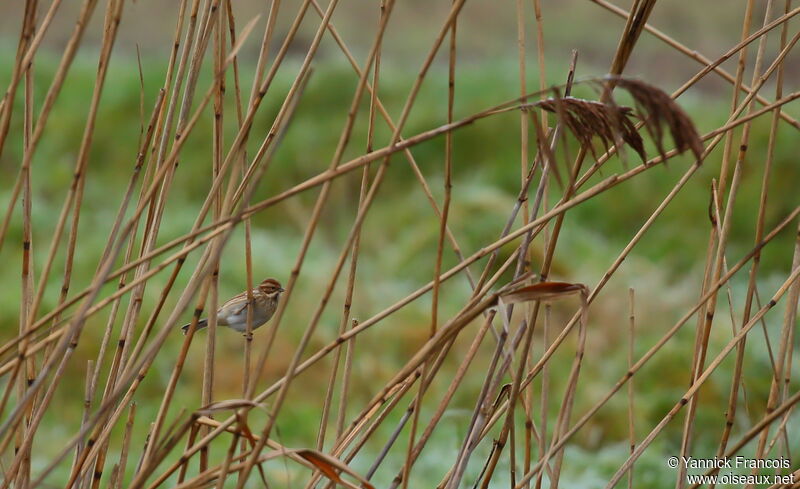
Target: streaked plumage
233,313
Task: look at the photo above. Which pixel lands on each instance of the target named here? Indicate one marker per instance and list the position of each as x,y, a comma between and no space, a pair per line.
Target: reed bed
491,384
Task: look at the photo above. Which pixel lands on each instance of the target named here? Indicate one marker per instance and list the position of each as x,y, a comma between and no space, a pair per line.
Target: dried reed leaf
502,395
525,277
331,467
244,428
543,291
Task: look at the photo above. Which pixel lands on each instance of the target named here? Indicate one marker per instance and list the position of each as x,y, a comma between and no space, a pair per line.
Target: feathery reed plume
657,108
613,124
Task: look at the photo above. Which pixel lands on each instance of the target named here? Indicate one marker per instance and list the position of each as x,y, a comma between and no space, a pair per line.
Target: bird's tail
200,325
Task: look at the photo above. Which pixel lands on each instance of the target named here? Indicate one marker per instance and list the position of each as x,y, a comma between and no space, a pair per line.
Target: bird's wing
241,308
236,304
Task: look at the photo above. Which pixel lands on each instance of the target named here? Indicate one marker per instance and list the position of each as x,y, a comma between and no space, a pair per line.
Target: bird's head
271,287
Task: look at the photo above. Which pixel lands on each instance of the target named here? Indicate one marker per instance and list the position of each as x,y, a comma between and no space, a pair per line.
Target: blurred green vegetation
398,247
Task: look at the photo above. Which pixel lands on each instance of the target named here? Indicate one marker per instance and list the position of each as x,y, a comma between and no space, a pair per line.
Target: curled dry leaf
543,291
504,393
331,466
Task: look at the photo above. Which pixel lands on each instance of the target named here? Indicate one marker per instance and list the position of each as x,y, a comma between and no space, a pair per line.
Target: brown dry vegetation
472,377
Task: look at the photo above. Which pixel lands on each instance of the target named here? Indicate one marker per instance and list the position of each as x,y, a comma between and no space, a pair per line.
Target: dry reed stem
655,348
631,400
633,172
25,56
716,245
406,151
751,288
636,21
696,384
695,55
351,277
360,162
448,163
52,93
105,268
343,140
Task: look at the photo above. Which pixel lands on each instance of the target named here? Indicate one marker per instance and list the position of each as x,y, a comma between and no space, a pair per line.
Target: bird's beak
281,290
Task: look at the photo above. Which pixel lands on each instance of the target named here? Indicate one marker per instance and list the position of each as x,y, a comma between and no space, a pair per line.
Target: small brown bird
233,313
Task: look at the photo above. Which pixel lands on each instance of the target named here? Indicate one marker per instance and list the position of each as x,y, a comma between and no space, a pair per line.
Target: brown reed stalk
425,371
30,39
655,348
769,159
23,450
105,267
351,278
631,399
248,247
640,12
562,422
87,406
545,396
759,231
124,451
207,393
55,87
27,269
431,425
200,44
637,170
406,151
716,244
789,283
524,147
695,55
